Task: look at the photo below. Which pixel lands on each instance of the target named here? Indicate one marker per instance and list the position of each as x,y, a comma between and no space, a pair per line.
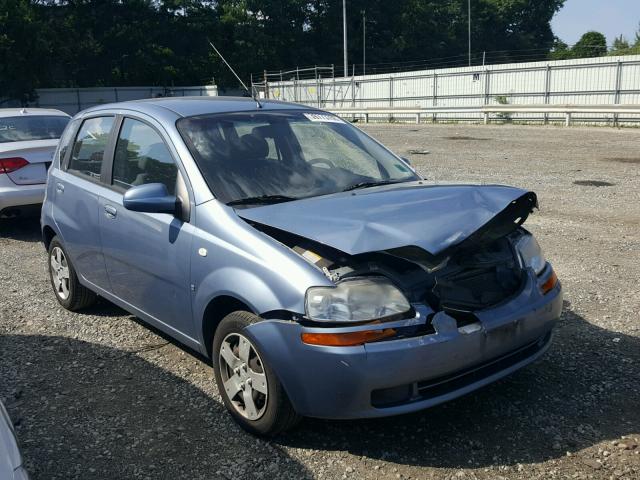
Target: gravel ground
99,395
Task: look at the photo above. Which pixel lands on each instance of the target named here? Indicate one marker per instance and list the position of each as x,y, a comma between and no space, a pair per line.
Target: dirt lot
100,395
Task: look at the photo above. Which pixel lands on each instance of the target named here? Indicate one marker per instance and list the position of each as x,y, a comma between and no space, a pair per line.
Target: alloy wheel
243,376
60,273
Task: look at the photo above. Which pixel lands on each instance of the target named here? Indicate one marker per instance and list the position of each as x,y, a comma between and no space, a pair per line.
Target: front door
147,255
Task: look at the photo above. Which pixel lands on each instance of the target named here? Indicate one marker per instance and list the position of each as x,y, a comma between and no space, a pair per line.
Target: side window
66,140
91,142
142,157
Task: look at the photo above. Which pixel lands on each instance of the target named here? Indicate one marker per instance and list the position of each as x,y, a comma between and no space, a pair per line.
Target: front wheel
64,280
249,388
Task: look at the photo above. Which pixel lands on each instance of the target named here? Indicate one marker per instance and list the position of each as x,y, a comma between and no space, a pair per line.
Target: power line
491,57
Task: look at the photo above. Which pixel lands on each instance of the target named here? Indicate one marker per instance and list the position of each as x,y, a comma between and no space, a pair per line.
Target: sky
611,17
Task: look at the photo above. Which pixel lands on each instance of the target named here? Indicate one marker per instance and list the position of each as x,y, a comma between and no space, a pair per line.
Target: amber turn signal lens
348,339
548,285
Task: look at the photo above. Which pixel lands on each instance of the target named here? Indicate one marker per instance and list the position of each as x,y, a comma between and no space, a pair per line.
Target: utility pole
344,36
364,42
469,22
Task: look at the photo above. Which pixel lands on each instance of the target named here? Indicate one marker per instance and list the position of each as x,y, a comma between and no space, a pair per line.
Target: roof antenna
258,104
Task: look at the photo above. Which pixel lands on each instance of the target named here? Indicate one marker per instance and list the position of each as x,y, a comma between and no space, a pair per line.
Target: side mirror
150,198
406,160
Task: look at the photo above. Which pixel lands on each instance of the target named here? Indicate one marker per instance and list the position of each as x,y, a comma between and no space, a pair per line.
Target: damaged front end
405,329
481,271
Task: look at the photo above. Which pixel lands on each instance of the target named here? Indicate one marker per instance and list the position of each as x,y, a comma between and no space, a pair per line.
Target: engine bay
470,278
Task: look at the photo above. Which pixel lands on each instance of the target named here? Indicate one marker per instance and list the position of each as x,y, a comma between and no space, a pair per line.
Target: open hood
433,218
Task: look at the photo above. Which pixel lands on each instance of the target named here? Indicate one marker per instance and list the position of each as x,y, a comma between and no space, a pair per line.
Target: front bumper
14,196
409,374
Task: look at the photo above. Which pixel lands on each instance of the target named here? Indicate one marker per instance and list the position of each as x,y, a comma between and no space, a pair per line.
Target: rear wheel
249,388
64,280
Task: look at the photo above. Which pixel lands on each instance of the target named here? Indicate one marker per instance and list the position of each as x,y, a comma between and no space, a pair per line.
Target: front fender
231,258
246,287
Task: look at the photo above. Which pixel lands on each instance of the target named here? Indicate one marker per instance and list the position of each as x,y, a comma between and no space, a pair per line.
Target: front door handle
110,211
60,187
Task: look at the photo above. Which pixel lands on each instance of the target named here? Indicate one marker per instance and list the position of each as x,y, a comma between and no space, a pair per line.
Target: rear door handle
110,211
60,187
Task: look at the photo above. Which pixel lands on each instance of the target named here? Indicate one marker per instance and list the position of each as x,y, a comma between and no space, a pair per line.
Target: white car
28,139
10,459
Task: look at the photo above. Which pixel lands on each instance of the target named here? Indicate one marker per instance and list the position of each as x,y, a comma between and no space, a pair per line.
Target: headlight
356,300
531,253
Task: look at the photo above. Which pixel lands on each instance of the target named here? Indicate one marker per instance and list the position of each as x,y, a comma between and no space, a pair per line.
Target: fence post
115,91
333,75
78,98
567,119
487,86
487,89
281,87
547,91
315,69
353,87
266,85
390,95
616,99
435,95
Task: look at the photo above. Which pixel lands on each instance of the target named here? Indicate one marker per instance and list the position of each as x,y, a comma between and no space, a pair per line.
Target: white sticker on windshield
323,117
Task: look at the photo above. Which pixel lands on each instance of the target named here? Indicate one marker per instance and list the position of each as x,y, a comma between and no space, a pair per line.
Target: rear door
148,254
77,188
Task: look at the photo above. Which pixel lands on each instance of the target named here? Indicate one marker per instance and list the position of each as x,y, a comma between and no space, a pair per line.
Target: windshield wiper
371,184
261,200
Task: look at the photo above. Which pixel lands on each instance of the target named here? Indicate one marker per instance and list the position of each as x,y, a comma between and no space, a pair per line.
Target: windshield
32,127
259,157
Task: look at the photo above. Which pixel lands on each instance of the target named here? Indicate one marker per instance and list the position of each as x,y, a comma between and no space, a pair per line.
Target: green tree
560,50
69,43
620,46
22,43
591,44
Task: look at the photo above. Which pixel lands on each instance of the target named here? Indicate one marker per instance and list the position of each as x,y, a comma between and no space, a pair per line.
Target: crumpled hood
383,218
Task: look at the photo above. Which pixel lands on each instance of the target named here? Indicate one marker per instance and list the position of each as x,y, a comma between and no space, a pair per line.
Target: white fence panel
591,81
73,100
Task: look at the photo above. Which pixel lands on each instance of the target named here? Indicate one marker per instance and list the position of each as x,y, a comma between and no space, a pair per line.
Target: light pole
469,22
364,42
344,34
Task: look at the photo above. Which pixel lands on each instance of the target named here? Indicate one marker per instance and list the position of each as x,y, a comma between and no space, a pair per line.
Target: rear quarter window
66,140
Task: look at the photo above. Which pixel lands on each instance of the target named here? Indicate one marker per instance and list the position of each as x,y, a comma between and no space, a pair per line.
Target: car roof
28,111
190,106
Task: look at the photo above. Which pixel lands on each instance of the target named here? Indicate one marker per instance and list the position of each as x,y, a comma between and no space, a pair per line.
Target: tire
64,280
272,413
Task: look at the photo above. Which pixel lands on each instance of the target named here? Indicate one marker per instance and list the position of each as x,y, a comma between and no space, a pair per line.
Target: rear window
32,127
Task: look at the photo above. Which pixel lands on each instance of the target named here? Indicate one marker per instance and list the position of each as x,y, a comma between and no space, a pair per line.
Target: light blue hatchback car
317,270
